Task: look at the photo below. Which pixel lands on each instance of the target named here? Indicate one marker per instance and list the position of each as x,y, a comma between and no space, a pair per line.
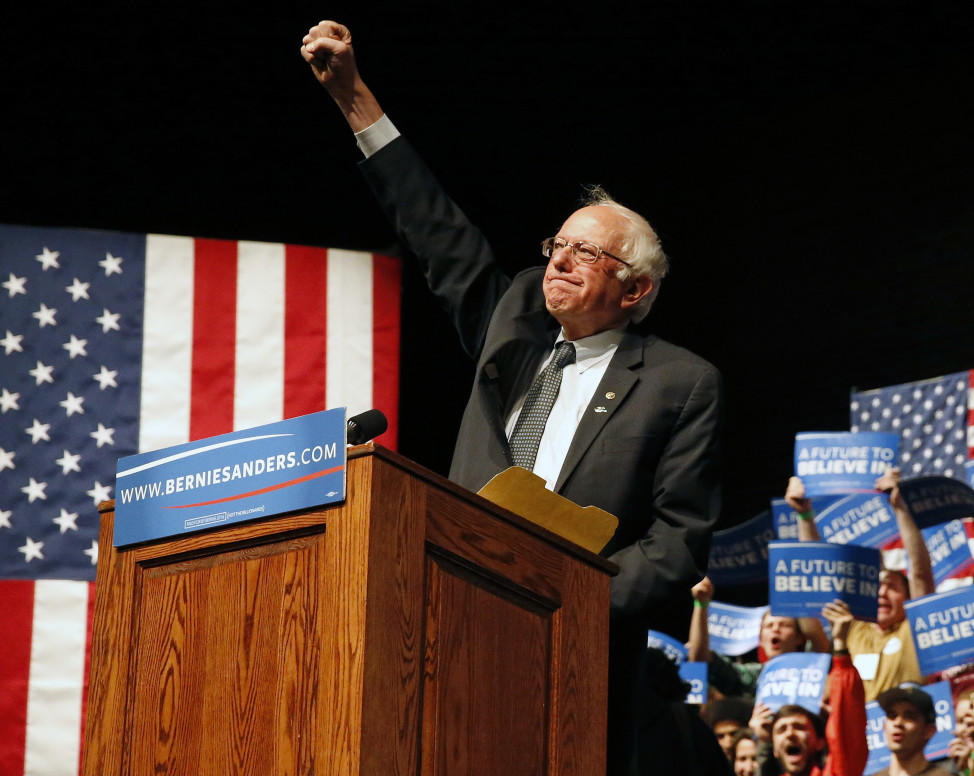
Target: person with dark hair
802,744
568,385
910,723
778,636
744,750
882,651
726,717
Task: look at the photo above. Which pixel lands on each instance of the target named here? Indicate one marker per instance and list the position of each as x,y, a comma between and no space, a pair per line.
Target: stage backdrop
115,343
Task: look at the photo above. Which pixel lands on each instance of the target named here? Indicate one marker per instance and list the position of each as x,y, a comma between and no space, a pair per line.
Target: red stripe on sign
16,630
84,687
214,338
386,293
268,489
970,410
305,317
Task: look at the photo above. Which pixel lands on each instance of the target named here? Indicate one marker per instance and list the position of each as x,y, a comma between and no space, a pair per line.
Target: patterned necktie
526,436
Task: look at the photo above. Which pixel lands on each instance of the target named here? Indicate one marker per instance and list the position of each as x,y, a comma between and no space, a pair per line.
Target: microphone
365,426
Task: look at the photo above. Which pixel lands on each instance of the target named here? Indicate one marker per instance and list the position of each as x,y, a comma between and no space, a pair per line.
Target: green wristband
806,515
699,604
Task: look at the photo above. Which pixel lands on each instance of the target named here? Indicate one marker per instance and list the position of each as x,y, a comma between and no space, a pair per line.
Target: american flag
114,343
934,418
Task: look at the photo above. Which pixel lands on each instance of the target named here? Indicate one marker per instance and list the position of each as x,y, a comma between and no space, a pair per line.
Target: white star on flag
102,435
78,290
69,462
5,518
9,401
42,373
100,493
106,377
92,552
45,315
7,459
108,321
72,404
34,490
48,259
38,431
15,285
67,521
112,264
32,550
76,347
12,342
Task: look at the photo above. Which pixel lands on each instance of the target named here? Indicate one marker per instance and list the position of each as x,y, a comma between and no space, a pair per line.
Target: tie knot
564,355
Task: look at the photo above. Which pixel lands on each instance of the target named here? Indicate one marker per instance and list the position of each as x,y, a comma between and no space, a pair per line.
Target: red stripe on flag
386,282
305,319
970,412
16,630
90,618
214,338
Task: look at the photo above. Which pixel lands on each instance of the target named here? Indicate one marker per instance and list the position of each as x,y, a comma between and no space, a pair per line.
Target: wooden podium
414,629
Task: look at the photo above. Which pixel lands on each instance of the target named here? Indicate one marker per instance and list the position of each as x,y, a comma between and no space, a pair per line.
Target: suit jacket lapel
508,369
618,381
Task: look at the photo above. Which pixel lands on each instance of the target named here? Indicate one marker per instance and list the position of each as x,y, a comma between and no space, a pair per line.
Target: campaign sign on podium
244,475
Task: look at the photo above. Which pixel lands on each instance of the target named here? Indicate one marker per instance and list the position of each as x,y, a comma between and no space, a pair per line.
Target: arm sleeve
846,728
456,259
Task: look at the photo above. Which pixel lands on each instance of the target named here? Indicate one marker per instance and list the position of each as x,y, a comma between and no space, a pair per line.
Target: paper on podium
523,493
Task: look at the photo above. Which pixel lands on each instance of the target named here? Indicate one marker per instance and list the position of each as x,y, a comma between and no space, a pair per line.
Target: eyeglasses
586,252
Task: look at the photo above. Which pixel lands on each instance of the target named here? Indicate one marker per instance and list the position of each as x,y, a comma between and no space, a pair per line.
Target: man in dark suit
634,426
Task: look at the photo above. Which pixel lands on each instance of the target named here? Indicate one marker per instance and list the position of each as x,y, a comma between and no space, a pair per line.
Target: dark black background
808,167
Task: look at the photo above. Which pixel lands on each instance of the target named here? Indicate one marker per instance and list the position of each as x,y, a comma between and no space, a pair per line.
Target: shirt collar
592,350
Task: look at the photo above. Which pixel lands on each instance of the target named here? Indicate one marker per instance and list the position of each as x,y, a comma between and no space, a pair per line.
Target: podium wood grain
413,629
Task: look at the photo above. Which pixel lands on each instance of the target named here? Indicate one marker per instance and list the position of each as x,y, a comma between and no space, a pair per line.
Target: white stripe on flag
349,331
259,379
167,358
57,664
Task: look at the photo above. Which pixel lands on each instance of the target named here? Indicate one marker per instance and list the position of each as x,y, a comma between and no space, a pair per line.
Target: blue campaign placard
807,575
739,555
253,473
969,471
937,500
943,629
786,518
936,748
794,678
843,461
865,519
950,552
673,649
696,675
734,630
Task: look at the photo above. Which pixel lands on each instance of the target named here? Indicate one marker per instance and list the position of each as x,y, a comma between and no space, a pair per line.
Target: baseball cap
920,700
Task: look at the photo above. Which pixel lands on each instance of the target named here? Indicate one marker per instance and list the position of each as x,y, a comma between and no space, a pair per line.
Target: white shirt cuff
376,136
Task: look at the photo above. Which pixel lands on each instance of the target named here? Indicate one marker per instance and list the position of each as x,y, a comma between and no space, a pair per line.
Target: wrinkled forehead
892,578
772,619
801,721
596,223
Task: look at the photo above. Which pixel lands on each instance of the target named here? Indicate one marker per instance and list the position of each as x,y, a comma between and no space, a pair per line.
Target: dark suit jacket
647,448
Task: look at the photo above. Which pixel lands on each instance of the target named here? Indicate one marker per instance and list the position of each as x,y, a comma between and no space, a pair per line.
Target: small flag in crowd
113,344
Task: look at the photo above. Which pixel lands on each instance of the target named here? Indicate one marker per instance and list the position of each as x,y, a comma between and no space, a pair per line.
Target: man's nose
563,258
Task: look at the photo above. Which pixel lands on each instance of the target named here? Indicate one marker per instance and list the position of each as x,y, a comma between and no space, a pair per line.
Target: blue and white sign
969,471
807,575
950,552
786,518
673,649
936,748
248,474
937,500
943,629
739,555
734,630
865,519
696,675
843,461
794,678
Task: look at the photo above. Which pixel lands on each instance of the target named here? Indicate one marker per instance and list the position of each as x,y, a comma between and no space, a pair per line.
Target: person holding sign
910,723
883,652
778,636
798,741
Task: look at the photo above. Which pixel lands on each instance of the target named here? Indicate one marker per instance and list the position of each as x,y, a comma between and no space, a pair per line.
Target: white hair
640,247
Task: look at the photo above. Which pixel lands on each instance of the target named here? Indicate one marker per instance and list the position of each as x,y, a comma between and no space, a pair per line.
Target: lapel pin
601,409
610,395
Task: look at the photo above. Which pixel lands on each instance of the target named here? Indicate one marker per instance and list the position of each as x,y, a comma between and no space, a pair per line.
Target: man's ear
635,289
